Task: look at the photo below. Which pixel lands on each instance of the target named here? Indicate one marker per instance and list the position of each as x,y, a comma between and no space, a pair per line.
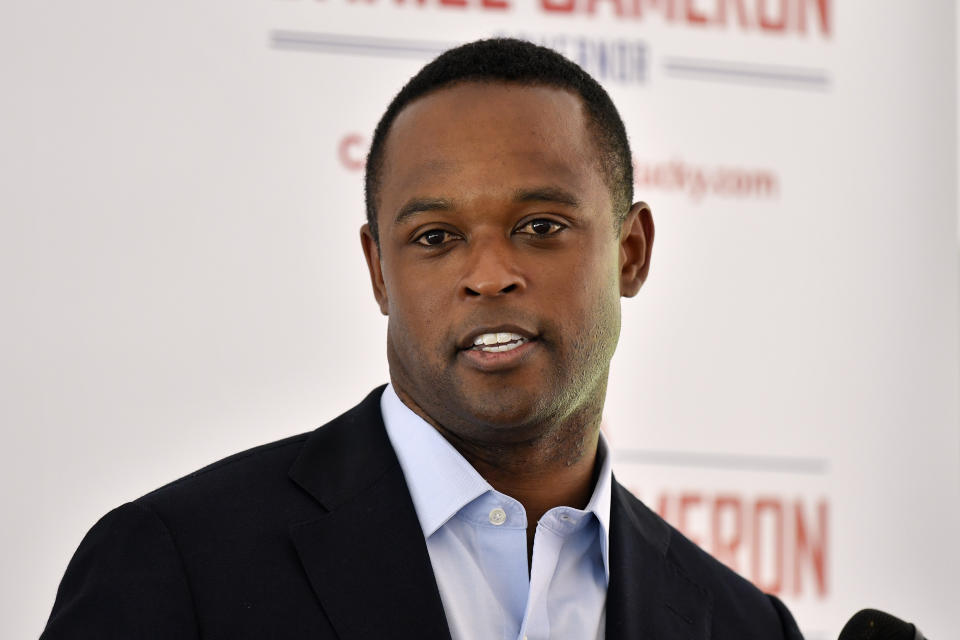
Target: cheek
415,310
594,276
594,291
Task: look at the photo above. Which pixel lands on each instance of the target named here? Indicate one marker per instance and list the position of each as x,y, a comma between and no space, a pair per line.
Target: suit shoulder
256,486
247,473
740,609
707,570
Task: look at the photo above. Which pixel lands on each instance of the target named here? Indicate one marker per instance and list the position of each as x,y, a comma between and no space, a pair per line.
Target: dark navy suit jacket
316,537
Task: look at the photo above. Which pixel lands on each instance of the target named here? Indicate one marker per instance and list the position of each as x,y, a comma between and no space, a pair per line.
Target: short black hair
520,62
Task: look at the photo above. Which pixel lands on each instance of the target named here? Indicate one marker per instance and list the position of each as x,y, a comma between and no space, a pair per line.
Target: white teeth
503,338
497,342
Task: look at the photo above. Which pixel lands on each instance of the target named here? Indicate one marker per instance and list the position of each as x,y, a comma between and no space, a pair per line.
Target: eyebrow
537,194
546,194
421,205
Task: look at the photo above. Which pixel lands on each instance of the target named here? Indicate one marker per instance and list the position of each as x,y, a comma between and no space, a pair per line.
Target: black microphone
871,624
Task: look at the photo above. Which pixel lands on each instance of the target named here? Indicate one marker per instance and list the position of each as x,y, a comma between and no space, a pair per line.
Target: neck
541,485
542,474
539,475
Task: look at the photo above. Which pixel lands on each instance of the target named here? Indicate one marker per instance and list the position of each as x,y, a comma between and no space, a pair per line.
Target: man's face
499,265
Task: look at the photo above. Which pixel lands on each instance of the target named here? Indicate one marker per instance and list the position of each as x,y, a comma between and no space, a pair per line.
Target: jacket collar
365,557
649,597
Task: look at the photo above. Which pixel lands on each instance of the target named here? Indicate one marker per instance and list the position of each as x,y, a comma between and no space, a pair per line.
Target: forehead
473,137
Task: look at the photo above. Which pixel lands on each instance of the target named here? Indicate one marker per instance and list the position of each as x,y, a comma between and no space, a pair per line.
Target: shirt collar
441,481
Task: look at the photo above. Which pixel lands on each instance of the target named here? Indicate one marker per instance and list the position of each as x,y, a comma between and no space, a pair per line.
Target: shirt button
498,516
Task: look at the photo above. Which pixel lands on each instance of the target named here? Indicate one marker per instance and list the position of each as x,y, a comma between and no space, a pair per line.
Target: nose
492,270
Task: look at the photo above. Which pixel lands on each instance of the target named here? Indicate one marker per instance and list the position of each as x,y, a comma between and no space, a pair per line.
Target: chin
517,413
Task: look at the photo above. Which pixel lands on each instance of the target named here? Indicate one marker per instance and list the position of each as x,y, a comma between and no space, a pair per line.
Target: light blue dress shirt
477,541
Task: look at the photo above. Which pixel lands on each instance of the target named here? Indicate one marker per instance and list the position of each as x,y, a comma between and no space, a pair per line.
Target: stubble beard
558,425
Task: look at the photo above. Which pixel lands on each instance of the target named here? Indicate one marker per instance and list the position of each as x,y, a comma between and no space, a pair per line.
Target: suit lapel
366,557
649,597
367,560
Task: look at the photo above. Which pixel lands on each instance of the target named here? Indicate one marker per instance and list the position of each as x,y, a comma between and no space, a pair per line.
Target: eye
434,238
541,227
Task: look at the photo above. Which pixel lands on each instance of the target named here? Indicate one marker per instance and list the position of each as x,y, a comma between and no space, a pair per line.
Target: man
471,498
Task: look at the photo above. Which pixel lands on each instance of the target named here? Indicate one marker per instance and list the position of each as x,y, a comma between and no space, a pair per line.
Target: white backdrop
181,276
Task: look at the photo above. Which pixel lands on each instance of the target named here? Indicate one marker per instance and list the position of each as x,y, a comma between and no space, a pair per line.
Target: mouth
496,339
498,342
497,348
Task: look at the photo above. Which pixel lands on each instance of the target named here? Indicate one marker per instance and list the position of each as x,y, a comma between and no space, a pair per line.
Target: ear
636,243
371,251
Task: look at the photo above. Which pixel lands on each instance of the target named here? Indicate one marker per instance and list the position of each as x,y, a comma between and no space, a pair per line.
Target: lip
500,360
466,344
